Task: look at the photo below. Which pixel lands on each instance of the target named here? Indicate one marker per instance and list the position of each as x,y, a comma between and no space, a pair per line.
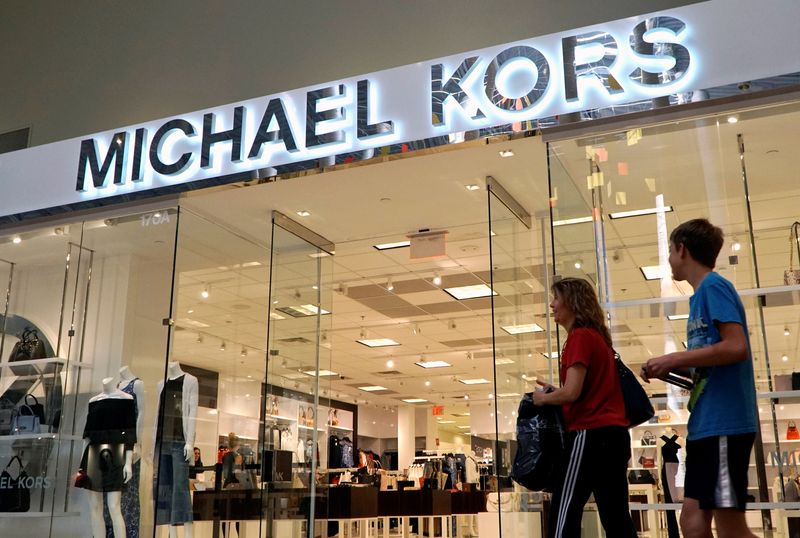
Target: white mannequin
126,376
190,402
113,498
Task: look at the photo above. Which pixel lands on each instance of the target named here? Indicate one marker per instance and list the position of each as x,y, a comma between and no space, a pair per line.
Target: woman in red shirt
599,445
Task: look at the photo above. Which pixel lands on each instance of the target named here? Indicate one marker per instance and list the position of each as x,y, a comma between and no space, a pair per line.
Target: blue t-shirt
723,401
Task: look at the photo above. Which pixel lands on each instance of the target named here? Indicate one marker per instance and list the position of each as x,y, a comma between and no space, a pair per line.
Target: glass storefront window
631,188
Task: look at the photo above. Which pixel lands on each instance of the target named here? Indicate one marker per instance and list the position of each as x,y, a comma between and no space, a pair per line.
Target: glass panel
214,379
711,167
520,314
299,369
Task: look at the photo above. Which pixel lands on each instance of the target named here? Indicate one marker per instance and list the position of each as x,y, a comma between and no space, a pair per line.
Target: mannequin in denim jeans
174,448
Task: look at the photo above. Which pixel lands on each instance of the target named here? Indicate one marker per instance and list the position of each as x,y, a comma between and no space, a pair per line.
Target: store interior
411,354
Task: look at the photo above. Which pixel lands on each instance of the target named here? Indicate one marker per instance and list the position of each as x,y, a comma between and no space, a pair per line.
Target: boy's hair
702,239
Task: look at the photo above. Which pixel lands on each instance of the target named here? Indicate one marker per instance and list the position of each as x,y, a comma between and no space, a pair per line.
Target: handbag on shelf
335,419
36,407
310,417
648,462
791,276
25,421
791,432
14,495
7,412
29,347
638,408
648,438
641,476
302,419
664,417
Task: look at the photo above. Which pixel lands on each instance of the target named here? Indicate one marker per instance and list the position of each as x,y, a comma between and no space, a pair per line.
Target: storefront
336,293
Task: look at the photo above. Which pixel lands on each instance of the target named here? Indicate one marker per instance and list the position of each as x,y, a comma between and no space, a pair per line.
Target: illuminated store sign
521,82
670,53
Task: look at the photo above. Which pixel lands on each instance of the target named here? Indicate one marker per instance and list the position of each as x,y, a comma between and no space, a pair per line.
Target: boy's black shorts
716,470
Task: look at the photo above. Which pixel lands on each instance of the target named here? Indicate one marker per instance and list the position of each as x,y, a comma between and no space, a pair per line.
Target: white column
431,431
406,431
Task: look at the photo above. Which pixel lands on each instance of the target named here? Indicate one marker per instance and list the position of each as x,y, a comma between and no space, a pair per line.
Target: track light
389,284
243,353
204,294
363,333
437,279
222,346
199,338
786,331
578,264
451,324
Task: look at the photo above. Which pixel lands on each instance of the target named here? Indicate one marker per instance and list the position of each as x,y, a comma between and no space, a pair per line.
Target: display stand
50,455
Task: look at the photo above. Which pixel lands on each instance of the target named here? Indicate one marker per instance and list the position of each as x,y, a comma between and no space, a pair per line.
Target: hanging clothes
346,447
334,453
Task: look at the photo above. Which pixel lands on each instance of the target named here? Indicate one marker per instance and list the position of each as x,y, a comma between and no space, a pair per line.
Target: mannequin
669,468
110,434
174,448
130,384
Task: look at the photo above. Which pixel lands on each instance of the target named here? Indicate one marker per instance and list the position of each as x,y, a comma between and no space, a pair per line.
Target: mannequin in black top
110,434
669,466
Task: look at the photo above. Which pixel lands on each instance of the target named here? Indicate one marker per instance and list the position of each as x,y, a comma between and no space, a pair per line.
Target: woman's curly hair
579,296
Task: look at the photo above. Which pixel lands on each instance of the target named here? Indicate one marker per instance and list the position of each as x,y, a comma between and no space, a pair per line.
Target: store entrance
394,360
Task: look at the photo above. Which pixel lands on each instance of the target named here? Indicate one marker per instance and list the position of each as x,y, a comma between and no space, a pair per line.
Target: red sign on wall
437,410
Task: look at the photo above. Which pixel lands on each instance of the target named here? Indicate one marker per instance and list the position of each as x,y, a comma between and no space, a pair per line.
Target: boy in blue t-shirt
723,421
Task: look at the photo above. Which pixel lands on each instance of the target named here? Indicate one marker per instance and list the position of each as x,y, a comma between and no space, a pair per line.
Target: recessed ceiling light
447,422
470,292
785,358
390,363
433,364
378,342
675,317
576,220
733,119
320,373
472,187
506,153
655,272
522,329
372,388
17,240
389,246
302,310
476,381
427,383
786,331
501,361
437,278
204,294
640,212
304,213
414,400
463,427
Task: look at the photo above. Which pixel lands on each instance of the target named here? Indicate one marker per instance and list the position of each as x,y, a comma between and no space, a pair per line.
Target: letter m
88,158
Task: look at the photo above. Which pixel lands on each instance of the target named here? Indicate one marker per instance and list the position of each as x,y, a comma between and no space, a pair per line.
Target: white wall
98,68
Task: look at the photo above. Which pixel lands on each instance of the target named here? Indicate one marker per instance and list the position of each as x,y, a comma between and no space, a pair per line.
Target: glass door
519,283
299,373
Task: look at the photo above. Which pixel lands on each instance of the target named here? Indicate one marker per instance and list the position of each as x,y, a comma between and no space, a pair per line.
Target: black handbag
641,476
638,408
14,495
28,348
36,407
7,412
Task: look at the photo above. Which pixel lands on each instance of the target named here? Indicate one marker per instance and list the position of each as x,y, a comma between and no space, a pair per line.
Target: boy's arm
732,348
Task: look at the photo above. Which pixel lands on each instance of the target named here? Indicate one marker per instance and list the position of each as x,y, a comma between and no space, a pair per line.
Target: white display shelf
33,515
300,426
39,437
783,394
343,428
278,417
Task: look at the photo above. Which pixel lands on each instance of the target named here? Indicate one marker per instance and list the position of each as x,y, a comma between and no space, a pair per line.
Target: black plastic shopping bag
541,441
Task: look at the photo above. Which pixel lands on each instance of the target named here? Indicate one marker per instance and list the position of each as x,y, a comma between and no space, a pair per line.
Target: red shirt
600,402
